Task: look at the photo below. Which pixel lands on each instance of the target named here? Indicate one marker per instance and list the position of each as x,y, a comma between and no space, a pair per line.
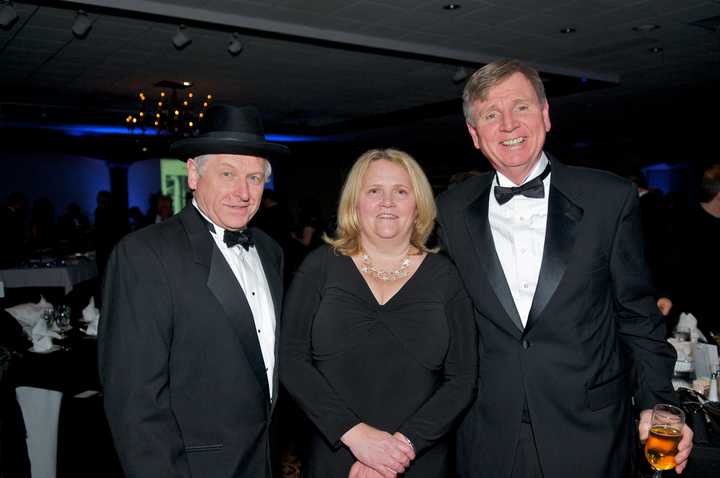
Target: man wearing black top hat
187,338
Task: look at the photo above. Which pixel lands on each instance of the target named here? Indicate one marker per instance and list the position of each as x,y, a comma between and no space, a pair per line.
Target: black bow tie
233,238
532,189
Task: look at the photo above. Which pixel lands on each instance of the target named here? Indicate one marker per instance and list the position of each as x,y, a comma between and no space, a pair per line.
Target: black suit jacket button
526,344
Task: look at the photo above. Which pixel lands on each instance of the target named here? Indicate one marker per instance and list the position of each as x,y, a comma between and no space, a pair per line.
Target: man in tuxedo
187,349
563,298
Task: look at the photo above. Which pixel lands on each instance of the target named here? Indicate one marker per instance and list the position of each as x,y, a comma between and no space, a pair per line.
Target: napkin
688,325
28,315
91,316
42,337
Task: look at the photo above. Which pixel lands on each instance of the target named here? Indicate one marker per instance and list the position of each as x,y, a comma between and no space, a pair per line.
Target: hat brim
193,147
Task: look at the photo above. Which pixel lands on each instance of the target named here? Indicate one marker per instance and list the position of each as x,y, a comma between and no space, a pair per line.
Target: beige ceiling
320,62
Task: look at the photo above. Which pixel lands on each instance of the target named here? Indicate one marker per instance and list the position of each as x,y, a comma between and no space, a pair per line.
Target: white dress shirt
518,230
249,272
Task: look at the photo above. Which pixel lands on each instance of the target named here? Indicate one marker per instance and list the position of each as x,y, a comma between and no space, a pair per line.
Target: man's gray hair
202,159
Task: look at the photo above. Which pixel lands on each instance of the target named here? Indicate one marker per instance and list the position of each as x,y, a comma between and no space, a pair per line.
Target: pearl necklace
381,274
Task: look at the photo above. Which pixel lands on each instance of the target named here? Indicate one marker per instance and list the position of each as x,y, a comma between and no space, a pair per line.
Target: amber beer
662,446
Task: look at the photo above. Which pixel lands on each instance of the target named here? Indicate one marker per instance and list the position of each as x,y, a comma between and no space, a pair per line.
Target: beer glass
665,432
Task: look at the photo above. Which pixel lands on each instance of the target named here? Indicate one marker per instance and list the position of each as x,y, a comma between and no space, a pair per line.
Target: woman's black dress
408,365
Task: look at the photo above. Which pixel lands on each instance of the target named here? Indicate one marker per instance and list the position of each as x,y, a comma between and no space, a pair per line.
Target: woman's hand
384,453
359,470
405,439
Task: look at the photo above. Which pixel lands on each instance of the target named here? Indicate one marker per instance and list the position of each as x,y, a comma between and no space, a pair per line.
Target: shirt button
526,286
253,293
258,331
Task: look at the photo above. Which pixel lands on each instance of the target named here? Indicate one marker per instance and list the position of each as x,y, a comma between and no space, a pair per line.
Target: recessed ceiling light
82,24
187,83
235,47
568,30
452,6
648,27
655,49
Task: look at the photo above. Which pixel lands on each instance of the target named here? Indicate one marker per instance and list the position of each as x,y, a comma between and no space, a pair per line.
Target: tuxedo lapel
479,230
560,232
224,286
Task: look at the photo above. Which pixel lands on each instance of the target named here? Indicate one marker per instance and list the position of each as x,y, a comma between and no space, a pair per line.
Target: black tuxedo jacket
592,317
186,392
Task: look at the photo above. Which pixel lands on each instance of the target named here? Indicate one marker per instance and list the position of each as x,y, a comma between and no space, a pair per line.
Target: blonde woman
378,347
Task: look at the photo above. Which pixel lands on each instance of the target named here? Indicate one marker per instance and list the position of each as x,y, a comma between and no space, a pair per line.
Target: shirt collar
217,230
536,171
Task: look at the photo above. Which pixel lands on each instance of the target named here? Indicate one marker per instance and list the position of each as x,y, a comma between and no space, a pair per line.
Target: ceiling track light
8,15
82,24
452,6
567,30
235,47
656,50
180,40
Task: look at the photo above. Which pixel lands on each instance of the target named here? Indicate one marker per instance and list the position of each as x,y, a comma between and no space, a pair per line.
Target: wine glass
665,432
63,325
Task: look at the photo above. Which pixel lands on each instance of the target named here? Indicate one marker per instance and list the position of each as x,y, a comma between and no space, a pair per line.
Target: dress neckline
369,290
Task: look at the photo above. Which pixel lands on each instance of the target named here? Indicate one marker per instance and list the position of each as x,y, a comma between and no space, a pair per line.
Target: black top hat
229,130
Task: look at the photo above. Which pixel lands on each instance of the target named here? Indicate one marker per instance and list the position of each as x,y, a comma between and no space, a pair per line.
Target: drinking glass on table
665,432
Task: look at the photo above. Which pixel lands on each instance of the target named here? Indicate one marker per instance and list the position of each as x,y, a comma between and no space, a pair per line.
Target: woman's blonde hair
347,233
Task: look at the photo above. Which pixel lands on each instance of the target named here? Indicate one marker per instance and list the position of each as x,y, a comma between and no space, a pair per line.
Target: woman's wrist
347,437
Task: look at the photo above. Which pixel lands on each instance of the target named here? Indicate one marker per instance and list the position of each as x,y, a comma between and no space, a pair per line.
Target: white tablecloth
65,277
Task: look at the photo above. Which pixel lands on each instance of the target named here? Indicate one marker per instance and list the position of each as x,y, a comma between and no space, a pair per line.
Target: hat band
249,137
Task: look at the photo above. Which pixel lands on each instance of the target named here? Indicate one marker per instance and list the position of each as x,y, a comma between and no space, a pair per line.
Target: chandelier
176,111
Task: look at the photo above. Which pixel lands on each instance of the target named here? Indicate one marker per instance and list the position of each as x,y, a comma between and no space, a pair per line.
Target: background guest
42,225
136,219
73,227
274,218
110,226
164,209
656,227
307,232
697,257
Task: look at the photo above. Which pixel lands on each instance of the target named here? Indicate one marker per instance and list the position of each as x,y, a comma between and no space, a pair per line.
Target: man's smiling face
510,126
